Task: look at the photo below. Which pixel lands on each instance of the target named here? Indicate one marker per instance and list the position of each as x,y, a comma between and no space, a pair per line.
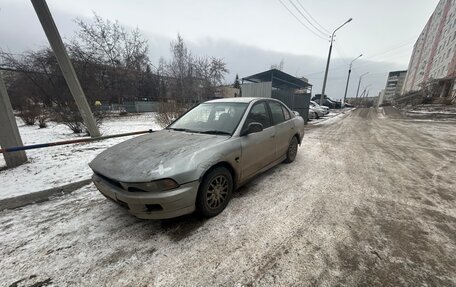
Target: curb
41,196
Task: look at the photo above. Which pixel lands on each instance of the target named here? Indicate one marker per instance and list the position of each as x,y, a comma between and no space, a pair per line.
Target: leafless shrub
169,112
29,113
42,121
70,116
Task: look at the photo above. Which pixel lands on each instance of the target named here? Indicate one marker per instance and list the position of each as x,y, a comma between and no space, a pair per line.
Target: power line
316,28
301,21
366,62
342,55
326,30
403,44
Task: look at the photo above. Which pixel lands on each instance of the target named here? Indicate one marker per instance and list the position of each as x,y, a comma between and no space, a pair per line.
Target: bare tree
278,66
180,71
121,54
192,77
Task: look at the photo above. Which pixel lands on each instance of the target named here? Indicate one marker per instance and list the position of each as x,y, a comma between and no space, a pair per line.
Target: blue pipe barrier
43,145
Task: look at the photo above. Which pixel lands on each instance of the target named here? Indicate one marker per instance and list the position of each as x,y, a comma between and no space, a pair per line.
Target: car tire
292,150
215,192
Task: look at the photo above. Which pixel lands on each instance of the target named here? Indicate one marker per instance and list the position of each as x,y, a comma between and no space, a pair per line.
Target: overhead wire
310,30
388,51
316,22
308,21
365,60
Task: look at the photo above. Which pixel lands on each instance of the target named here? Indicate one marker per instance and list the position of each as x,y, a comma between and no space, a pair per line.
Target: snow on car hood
162,154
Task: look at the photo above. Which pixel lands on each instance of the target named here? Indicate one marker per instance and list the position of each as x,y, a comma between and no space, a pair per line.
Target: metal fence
296,102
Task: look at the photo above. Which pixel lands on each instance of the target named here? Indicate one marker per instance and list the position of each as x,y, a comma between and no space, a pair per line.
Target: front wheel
215,192
292,150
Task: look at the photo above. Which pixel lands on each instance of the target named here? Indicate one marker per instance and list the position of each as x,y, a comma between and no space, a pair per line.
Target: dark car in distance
327,101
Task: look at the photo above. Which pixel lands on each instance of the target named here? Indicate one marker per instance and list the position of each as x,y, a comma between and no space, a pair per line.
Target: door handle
272,135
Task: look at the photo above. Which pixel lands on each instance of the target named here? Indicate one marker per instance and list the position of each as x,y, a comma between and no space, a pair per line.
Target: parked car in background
312,114
319,110
325,108
199,160
327,101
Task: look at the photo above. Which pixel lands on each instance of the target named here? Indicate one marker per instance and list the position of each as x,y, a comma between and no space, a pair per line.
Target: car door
258,149
283,125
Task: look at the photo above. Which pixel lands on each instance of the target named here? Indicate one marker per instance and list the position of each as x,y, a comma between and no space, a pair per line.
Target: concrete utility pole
327,62
359,83
9,133
69,74
348,78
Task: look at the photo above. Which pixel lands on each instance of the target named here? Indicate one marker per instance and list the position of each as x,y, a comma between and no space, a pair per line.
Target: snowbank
59,165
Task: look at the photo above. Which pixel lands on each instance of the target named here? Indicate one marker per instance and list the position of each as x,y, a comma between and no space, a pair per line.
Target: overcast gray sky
251,34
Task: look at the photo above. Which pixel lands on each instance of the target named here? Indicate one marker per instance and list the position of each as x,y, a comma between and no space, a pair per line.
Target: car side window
286,113
277,112
258,113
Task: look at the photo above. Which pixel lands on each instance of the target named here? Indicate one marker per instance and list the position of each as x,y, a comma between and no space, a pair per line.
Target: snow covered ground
333,116
369,201
427,109
60,165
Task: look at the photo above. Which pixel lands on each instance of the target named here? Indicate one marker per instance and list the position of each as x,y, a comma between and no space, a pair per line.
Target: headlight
157,185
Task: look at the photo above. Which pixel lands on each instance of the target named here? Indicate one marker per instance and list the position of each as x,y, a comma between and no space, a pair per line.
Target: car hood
161,154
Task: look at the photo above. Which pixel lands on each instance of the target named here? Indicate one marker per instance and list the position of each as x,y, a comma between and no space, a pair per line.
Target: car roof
237,100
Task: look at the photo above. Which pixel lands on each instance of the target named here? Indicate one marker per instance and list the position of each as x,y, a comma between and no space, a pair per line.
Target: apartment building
394,85
433,56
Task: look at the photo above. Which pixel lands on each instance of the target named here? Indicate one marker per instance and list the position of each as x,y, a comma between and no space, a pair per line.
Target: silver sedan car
199,160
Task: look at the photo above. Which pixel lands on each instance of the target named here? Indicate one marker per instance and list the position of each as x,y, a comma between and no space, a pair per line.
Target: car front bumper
151,205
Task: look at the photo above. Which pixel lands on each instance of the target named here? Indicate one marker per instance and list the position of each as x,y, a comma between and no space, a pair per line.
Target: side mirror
296,113
254,127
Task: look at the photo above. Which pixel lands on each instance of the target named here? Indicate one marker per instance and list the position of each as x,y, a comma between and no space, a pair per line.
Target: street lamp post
359,83
327,62
348,78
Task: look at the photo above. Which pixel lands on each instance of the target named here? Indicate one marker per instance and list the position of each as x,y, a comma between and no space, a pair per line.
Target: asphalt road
369,201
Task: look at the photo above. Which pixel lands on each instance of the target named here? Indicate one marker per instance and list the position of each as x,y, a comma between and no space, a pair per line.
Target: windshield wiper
215,132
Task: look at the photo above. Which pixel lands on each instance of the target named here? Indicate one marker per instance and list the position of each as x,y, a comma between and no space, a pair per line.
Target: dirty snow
368,202
59,165
333,116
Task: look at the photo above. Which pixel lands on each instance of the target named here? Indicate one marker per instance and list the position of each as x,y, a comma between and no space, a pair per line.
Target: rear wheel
215,192
292,150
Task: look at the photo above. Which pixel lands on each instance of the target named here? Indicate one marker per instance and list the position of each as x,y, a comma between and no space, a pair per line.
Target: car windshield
211,118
